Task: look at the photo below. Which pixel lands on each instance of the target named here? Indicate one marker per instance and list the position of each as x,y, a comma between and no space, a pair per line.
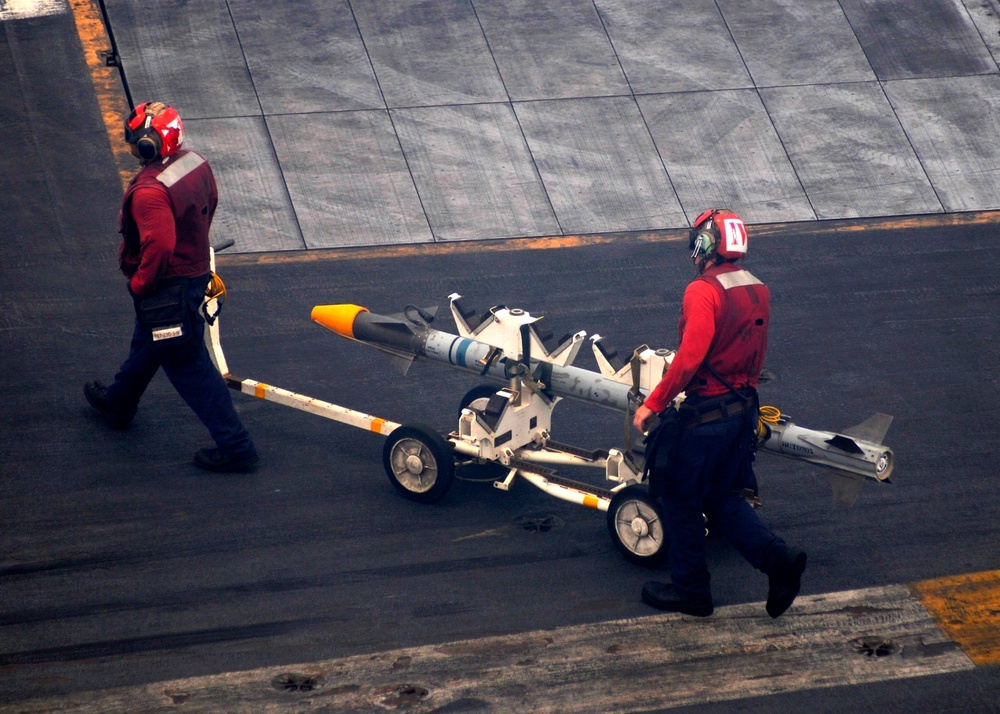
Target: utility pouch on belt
694,412
167,316
661,451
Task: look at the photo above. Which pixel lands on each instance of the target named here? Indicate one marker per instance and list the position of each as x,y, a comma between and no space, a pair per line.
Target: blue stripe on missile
459,351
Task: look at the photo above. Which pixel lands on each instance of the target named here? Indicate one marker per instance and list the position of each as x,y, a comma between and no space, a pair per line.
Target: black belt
712,409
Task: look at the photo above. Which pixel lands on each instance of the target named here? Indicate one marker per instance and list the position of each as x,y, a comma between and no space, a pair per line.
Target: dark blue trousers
191,372
710,475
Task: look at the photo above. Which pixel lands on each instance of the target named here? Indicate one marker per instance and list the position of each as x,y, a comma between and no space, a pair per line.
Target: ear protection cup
695,226
149,145
697,229
704,244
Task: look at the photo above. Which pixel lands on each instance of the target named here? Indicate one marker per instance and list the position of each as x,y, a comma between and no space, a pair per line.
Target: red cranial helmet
718,232
155,129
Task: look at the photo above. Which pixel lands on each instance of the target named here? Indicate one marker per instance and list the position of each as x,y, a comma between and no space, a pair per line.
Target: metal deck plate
599,179
904,40
551,49
674,46
790,42
844,141
186,53
354,190
428,54
831,132
746,164
319,65
953,123
475,176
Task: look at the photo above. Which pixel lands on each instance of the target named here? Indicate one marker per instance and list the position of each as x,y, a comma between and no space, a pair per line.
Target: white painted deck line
654,662
24,9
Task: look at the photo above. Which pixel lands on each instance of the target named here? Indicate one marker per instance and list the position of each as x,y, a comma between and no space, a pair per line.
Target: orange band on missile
339,318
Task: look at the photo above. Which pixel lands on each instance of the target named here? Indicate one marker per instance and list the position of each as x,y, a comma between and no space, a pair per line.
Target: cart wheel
477,397
635,521
419,462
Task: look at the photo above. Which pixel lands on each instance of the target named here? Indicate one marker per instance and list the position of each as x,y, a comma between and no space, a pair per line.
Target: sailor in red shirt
723,339
165,255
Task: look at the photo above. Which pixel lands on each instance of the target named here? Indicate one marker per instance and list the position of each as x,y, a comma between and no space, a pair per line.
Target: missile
515,339
407,336
854,455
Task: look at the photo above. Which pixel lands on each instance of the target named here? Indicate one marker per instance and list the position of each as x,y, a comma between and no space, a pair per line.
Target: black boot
784,581
211,459
664,597
97,396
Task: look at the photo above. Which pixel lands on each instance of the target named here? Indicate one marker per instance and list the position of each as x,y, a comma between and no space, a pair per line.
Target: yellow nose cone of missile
339,318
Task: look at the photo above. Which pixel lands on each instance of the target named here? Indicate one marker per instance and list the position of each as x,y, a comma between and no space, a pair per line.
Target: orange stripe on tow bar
591,501
967,608
260,390
377,425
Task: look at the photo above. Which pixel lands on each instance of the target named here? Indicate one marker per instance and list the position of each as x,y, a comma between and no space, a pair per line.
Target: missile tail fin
402,364
846,487
416,315
400,360
872,429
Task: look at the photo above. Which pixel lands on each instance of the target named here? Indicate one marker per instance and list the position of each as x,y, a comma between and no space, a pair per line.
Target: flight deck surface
130,580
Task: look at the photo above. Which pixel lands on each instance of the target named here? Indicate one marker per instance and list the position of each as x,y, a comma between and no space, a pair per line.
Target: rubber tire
480,391
434,456
628,505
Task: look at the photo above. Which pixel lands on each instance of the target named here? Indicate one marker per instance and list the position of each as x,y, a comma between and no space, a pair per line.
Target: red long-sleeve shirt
728,332
154,217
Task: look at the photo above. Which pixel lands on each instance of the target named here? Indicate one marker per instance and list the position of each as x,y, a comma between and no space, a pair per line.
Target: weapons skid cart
511,425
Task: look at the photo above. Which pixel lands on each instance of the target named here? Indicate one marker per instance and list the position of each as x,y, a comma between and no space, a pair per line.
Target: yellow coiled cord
768,415
216,289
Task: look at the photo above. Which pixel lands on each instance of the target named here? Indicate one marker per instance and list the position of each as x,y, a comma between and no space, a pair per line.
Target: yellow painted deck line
314,255
885,223
967,607
674,235
106,80
659,661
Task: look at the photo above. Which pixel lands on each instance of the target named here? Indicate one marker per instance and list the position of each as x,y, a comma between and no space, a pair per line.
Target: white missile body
405,339
840,451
